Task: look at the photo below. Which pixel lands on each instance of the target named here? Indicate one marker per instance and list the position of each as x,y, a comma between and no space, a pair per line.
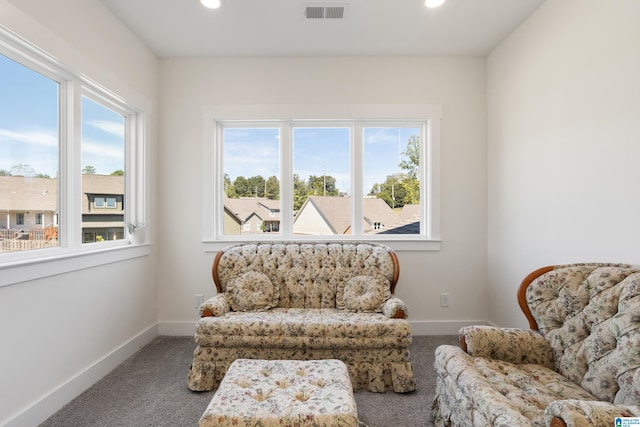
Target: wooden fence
14,240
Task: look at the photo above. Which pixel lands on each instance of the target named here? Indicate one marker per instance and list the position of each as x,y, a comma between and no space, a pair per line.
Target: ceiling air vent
320,11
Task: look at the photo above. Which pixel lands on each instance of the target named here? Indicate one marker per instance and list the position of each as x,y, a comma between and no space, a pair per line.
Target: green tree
412,188
300,192
411,165
392,191
118,172
22,170
322,185
89,170
229,189
4,172
256,186
241,186
402,188
273,188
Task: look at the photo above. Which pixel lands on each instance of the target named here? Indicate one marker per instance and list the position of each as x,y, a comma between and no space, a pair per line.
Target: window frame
72,254
287,116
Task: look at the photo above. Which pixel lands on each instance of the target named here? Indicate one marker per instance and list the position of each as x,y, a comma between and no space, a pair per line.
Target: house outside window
328,175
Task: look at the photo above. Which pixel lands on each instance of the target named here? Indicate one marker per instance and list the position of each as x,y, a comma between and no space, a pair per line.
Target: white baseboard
50,403
441,327
420,327
177,329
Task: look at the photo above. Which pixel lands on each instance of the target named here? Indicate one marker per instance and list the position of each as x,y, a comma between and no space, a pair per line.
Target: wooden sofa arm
215,306
557,422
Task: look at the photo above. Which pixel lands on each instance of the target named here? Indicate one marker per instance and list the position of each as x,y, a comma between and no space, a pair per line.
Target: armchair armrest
395,308
507,344
572,413
215,306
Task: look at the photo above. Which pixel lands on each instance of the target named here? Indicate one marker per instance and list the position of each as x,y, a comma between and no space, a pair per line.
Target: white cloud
114,128
42,138
382,136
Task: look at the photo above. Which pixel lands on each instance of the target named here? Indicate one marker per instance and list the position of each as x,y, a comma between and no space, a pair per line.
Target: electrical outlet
444,300
198,299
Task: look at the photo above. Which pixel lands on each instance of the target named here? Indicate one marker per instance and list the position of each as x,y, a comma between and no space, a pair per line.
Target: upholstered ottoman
283,393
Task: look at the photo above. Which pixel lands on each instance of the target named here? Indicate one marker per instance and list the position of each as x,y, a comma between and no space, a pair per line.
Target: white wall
563,144
456,83
61,333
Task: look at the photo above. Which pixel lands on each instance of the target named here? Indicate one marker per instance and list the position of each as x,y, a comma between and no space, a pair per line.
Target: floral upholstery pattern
252,291
307,324
508,344
363,293
582,366
283,393
395,308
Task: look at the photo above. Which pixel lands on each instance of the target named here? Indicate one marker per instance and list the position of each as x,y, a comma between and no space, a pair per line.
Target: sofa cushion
304,329
363,293
252,291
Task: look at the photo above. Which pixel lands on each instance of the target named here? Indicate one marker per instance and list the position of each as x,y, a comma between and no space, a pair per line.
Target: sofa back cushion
590,314
307,274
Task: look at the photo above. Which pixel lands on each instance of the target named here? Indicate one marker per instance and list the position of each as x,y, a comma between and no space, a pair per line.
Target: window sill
398,245
60,261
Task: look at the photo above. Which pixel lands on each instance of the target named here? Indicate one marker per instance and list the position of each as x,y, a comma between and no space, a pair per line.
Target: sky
316,151
29,125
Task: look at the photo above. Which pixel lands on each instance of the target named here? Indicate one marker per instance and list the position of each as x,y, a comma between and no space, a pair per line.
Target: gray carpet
149,389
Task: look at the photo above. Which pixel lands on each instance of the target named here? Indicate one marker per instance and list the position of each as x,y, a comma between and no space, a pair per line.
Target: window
57,157
29,141
103,152
111,202
324,174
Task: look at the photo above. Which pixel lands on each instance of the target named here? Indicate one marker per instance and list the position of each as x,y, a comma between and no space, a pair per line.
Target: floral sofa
579,365
305,301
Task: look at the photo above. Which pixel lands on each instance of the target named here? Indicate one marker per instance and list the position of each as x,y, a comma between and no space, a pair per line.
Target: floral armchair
579,365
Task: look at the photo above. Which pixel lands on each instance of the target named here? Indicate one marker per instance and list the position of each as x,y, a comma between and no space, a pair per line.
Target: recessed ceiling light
433,3
211,4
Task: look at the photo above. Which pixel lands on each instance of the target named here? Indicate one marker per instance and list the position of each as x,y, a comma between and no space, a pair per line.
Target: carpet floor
149,389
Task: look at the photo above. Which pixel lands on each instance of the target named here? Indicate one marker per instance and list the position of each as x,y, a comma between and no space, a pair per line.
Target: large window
295,176
72,159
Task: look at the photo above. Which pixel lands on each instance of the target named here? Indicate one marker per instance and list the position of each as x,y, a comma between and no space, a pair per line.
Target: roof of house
409,222
19,193
244,207
102,184
336,212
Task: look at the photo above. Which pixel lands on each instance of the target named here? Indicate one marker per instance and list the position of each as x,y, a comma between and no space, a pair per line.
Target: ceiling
184,28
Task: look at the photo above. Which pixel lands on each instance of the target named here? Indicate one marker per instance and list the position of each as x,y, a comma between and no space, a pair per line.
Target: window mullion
70,186
357,172
286,180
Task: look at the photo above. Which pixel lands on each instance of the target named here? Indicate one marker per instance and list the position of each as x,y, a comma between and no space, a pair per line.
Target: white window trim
72,254
212,160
